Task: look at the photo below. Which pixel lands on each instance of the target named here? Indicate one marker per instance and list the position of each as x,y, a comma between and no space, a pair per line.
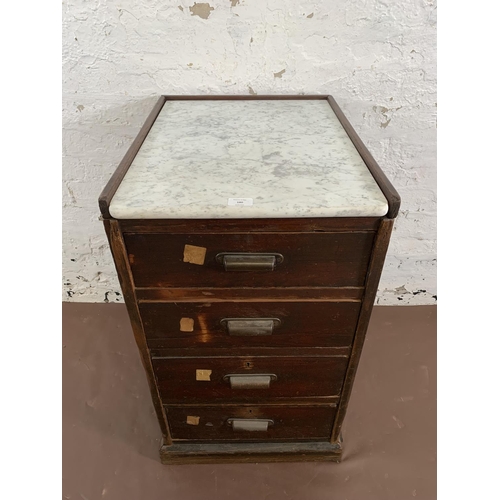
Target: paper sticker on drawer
190,420
194,255
203,375
244,202
187,324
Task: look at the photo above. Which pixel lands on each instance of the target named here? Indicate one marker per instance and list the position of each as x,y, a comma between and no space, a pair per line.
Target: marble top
247,159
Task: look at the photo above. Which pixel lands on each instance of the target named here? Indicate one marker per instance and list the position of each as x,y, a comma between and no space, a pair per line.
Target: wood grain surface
310,259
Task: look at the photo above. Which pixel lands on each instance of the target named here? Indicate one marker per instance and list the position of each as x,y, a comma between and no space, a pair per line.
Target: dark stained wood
308,403
179,226
373,277
393,198
299,377
113,183
303,324
125,277
310,259
210,453
245,97
289,422
157,351
256,294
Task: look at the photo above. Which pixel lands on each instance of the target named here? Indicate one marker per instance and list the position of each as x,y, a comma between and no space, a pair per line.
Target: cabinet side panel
125,277
376,265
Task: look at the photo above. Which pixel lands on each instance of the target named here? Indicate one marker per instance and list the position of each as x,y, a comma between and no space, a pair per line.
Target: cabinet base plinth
205,453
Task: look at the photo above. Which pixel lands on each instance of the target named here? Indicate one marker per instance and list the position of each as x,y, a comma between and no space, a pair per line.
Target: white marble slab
285,158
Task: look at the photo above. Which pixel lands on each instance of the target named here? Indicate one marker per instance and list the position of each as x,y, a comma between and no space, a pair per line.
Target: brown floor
111,436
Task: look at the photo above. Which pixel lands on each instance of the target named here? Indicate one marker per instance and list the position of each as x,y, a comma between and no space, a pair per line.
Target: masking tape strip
186,324
194,255
203,374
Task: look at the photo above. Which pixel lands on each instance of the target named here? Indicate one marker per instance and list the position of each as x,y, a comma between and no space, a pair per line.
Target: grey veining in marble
286,158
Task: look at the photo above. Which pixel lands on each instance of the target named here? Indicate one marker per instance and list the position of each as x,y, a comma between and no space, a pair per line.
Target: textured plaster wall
376,57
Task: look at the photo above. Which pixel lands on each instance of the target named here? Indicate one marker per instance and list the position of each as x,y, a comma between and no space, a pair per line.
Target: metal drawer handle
250,424
250,326
234,261
250,381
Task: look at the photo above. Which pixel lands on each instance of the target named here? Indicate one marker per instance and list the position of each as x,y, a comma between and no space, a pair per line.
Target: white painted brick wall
377,58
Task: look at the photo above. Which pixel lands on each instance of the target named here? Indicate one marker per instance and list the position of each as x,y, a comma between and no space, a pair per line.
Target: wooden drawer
255,324
205,379
248,423
309,259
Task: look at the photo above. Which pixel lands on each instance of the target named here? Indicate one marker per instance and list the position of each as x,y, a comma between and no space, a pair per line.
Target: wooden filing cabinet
249,236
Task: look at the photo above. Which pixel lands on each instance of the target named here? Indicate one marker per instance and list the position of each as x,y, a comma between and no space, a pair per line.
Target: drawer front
248,423
249,378
252,324
308,259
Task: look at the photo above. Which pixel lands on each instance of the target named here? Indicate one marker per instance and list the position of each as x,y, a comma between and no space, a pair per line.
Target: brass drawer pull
250,326
250,381
236,261
250,424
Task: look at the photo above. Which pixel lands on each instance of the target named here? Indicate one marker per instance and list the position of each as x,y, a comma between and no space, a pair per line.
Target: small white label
245,202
